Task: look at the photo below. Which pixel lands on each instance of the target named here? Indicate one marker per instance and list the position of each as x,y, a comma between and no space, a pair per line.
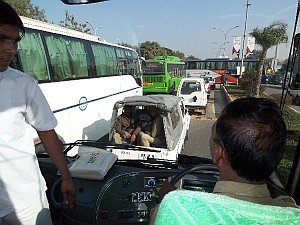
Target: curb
227,98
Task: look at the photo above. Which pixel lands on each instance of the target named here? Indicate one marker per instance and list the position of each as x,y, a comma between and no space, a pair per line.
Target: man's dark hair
253,134
8,16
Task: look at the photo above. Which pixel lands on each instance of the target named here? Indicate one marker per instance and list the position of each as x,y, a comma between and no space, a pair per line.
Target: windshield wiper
108,145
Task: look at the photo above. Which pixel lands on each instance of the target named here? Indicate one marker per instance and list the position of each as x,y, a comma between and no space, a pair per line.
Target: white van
192,90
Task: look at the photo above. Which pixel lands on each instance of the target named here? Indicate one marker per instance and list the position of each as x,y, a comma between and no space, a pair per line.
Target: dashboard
125,196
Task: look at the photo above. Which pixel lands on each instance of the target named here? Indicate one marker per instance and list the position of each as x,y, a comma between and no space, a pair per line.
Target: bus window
67,57
105,59
122,66
221,65
133,64
122,62
191,65
231,65
31,54
181,70
133,67
251,65
201,65
176,70
154,68
210,65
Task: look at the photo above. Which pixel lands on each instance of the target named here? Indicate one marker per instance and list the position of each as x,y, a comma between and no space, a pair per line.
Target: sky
181,25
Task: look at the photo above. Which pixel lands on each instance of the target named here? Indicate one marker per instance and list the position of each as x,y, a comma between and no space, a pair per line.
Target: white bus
81,76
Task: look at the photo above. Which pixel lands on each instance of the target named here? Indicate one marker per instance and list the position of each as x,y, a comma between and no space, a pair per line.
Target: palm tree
267,37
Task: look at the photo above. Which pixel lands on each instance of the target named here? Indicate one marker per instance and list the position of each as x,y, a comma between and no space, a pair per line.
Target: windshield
153,68
189,87
122,42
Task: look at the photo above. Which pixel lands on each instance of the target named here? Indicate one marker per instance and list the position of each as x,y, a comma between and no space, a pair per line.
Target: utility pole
244,37
275,60
225,36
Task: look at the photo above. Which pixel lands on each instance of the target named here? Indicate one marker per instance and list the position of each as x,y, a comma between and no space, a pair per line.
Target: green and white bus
162,74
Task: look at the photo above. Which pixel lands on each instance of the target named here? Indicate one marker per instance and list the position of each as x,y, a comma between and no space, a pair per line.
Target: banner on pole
236,46
250,46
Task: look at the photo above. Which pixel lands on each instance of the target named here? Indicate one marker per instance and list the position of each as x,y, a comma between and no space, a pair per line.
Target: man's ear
218,153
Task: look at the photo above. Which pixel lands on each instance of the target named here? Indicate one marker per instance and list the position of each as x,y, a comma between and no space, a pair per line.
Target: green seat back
192,208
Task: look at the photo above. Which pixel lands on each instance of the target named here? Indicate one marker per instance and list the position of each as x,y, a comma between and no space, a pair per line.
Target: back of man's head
8,16
253,135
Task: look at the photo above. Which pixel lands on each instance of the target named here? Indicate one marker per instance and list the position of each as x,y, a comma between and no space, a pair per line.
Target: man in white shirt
22,187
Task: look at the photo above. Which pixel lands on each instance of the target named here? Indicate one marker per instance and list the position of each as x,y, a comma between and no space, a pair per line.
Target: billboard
236,47
250,46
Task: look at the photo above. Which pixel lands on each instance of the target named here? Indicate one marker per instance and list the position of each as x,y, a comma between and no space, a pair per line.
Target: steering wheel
55,195
191,169
273,188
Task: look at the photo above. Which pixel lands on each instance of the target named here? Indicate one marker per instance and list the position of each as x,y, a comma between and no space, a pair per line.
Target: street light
94,30
220,47
244,37
141,27
225,36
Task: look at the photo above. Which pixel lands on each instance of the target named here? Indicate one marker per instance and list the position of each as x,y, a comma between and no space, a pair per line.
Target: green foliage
292,121
271,35
248,82
150,49
128,45
255,55
236,91
178,54
191,57
70,23
27,9
267,37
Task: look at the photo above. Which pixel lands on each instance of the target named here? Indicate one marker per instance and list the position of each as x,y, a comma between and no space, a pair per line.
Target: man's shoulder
18,76
287,201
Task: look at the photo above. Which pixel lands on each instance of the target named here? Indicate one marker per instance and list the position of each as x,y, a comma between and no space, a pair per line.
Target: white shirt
22,103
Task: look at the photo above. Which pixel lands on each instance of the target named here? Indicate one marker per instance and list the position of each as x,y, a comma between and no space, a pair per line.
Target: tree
151,49
128,45
191,57
248,81
27,9
267,37
179,54
70,22
255,55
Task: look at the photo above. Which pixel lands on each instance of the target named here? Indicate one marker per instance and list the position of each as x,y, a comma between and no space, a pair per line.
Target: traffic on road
119,131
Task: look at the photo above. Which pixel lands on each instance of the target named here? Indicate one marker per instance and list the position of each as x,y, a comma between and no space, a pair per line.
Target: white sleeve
38,113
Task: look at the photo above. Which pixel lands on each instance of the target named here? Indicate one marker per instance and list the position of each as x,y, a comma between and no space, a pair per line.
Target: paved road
200,127
277,89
